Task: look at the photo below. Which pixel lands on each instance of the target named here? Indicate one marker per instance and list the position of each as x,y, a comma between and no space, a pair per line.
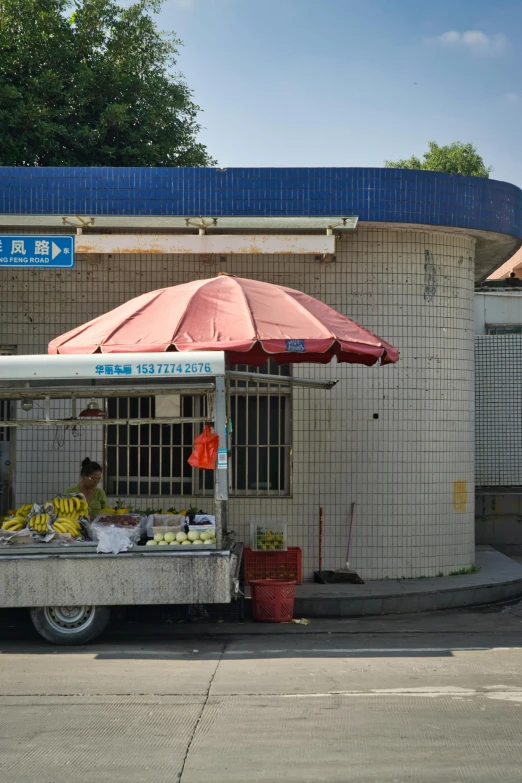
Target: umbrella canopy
248,319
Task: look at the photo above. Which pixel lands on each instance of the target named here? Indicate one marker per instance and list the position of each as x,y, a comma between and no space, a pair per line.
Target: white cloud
513,98
474,41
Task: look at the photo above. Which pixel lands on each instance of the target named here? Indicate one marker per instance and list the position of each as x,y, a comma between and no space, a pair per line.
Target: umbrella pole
221,472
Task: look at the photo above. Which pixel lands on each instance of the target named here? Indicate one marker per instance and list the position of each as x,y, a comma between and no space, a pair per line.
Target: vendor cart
70,587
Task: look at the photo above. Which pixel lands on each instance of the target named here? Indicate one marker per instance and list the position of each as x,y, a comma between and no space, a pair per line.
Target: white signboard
106,367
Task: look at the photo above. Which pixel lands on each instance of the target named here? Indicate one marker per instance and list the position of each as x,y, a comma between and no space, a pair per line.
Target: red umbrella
248,319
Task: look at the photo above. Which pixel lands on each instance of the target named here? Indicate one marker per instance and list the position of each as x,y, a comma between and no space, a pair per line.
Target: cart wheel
70,624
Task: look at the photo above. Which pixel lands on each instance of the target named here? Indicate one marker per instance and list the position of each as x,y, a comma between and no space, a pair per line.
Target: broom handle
352,520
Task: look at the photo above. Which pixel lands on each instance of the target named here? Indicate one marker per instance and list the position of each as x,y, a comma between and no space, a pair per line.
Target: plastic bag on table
124,521
112,540
204,519
205,450
116,533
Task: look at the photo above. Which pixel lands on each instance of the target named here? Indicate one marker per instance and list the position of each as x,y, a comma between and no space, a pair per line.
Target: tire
70,624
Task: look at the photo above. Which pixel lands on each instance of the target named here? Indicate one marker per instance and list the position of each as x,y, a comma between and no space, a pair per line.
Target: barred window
151,459
503,328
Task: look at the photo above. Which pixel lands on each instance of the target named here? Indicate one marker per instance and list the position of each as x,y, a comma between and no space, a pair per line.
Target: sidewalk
499,579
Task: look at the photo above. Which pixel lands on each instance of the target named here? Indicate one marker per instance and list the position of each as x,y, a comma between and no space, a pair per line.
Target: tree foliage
91,83
455,158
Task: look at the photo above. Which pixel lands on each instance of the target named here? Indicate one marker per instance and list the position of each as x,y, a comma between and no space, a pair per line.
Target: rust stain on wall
460,496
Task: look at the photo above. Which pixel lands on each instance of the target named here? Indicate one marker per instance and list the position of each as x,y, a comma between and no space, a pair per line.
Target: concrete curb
352,606
499,579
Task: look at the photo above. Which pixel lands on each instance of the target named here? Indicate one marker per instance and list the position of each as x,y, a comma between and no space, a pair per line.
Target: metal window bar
503,328
260,412
149,459
260,447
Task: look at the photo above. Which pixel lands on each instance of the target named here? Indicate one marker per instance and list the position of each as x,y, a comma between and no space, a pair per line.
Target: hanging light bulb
93,411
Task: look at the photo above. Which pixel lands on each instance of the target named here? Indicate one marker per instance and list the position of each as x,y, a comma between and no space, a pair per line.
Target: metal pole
221,477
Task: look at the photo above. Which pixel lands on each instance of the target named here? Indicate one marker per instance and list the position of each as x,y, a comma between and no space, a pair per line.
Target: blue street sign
34,252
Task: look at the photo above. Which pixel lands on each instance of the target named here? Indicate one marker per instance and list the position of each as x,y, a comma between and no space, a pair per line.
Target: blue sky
353,82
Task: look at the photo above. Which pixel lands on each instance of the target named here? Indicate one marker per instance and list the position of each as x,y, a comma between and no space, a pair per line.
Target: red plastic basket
273,565
272,601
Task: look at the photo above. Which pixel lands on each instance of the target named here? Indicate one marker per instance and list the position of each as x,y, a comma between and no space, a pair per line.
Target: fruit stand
50,558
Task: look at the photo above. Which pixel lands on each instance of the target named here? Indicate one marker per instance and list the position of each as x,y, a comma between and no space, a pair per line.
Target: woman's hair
88,467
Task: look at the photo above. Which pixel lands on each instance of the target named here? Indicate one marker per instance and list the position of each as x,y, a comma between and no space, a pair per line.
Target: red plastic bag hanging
205,450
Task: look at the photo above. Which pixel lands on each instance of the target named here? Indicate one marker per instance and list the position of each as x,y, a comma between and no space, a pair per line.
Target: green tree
455,158
91,83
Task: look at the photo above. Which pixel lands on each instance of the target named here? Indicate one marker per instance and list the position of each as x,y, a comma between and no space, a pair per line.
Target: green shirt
99,499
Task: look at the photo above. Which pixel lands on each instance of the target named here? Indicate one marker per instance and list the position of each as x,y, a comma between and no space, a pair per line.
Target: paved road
433,698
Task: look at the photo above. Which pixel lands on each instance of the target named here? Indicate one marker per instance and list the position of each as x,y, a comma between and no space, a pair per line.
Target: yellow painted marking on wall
460,497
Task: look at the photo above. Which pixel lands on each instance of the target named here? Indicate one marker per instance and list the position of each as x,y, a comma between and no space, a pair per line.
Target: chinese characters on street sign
26,251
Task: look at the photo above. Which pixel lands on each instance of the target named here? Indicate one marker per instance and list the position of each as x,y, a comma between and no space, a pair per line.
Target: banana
70,520
69,523
40,522
16,518
68,528
14,524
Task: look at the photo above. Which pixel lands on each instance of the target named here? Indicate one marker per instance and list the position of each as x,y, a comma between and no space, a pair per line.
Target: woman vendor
90,477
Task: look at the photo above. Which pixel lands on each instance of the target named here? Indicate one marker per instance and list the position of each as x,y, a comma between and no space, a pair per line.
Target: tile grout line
202,710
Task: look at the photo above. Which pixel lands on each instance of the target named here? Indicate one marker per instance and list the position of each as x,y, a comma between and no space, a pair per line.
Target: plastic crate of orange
273,565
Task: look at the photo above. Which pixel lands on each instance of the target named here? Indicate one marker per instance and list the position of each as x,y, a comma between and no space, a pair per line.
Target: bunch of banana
15,524
67,525
71,508
23,510
39,523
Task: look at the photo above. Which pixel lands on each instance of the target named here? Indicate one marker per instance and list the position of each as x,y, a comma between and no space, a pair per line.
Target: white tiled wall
414,289
48,459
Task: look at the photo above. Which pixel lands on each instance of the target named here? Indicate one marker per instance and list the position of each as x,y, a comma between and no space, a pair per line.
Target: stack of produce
117,519
193,538
19,521
269,540
70,508
68,511
67,525
39,523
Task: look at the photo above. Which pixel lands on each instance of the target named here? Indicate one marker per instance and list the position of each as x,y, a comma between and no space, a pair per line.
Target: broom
346,574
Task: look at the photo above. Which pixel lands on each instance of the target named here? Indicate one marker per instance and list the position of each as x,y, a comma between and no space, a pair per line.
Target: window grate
498,410
503,328
151,459
260,413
